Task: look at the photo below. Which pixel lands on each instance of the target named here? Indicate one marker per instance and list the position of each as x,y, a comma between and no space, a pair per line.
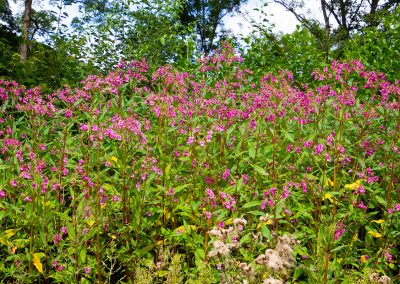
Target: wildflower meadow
211,174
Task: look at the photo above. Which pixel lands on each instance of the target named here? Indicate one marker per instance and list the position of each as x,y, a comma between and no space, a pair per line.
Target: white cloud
72,10
282,20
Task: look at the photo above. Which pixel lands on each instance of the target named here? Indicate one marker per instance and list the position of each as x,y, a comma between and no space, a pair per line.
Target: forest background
38,48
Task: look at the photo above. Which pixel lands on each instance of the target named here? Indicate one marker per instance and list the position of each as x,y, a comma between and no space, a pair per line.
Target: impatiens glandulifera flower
198,150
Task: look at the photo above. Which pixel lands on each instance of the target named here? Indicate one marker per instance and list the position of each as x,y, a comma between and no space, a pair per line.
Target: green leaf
64,216
288,136
252,151
252,204
245,239
339,248
168,171
178,189
147,248
200,253
380,200
265,231
82,255
3,166
298,272
162,273
259,169
162,40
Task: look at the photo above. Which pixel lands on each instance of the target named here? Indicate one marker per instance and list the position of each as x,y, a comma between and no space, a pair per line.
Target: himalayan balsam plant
208,176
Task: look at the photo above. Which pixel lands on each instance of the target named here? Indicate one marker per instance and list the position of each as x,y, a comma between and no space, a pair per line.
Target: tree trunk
203,28
327,29
25,30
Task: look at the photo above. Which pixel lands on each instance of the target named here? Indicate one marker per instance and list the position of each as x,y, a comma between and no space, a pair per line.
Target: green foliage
298,52
378,47
207,17
47,66
6,16
341,19
130,30
51,61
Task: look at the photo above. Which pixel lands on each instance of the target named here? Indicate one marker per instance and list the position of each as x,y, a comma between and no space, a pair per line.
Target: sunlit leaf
13,249
354,185
269,222
37,263
329,197
363,259
329,182
374,234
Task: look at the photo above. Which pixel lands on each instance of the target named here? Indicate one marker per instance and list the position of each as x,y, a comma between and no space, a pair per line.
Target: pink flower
226,174
362,206
57,239
388,256
304,186
210,193
340,229
245,178
307,144
68,113
190,140
285,194
318,149
361,190
209,136
28,199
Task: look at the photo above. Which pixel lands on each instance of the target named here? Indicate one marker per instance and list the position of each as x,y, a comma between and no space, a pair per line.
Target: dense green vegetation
138,147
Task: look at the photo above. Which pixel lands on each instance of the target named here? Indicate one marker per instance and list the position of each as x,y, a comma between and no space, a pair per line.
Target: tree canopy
179,31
